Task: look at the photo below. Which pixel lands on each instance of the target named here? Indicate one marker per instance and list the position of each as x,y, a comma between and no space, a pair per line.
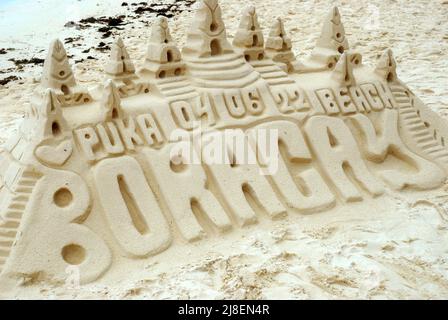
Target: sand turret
249,36
387,67
57,73
50,120
58,76
278,46
111,101
163,58
343,71
207,36
330,45
333,36
120,66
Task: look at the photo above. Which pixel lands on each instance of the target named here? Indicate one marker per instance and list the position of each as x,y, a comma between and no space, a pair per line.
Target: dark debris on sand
163,9
21,62
7,80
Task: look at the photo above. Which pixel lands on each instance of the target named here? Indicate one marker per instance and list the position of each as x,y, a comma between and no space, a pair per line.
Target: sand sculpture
89,178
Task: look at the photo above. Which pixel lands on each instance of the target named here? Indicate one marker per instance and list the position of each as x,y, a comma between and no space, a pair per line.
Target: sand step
14,213
220,66
4,252
416,127
216,59
225,73
173,84
178,91
6,242
233,83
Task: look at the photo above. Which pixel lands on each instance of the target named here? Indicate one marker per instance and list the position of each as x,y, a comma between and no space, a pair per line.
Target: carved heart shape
56,156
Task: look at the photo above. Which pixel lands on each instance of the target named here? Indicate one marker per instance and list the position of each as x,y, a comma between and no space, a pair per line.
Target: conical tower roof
120,64
111,102
249,36
163,57
333,33
50,122
207,35
387,67
57,73
343,71
278,45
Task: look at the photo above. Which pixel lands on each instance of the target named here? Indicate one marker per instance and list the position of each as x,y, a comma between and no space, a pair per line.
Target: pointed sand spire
333,33
207,36
330,45
249,37
111,101
387,67
51,122
343,71
163,58
279,47
120,65
57,73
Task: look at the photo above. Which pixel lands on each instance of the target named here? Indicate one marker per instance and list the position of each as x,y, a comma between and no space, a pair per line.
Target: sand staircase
416,128
271,72
222,71
176,88
14,212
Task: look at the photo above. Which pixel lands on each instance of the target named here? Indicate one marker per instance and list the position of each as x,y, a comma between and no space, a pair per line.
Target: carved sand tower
163,58
211,59
249,41
330,45
249,36
120,69
163,65
279,47
58,75
113,178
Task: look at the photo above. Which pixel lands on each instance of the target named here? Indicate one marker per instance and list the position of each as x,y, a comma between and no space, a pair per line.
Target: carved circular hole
62,73
356,61
146,90
247,57
252,28
426,124
162,74
213,27
254,106
178,72
87,136
341,49
63,197
327,95
55,129
114,114
122,57
65,89
331,104
86,100
338,35
260,56
330,65
73,254
166,41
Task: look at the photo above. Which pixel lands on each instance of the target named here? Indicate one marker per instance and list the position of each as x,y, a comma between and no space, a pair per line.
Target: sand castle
89,178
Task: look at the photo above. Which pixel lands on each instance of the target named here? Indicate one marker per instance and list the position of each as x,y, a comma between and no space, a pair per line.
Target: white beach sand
391,247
